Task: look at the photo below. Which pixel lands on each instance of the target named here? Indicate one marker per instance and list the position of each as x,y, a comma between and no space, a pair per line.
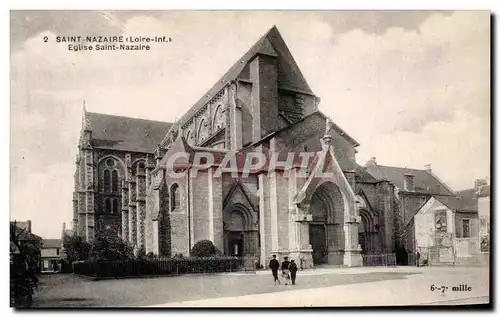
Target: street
320,287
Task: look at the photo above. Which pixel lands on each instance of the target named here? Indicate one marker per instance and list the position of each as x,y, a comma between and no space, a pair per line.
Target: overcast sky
413,88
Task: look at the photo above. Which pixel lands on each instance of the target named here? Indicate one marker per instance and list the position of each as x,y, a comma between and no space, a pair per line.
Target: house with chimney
431,218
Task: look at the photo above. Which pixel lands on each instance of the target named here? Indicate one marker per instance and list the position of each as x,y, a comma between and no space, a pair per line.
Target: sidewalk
359,270
414,290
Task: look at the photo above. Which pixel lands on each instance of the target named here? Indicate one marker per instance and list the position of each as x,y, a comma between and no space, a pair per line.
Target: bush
110,248
204,249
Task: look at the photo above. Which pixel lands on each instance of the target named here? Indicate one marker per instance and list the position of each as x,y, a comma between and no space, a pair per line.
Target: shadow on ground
66,290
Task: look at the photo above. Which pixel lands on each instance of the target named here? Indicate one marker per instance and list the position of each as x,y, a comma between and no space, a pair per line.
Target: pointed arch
203,132
218,121
367,220
242,211
107,205
121,164
110,168
106,180
175,197
114,181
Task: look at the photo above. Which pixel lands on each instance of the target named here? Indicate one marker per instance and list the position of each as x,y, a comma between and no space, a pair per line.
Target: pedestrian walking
274,265
285,267
293,271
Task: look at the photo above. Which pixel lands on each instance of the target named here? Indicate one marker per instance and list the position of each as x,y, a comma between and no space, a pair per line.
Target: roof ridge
125,117
403,168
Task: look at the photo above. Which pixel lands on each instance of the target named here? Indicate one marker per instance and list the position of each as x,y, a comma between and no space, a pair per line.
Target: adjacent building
51,254
22,236
414,190
484,203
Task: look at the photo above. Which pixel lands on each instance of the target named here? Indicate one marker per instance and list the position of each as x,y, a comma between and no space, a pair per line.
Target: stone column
132,211
156,237
125,215
304,252
273,200
293,226
141,208
215,223
235,117
336,243
388,213
262,221
74,221
89,194
352,254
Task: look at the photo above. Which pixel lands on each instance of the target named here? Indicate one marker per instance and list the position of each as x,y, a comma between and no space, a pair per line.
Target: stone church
262,104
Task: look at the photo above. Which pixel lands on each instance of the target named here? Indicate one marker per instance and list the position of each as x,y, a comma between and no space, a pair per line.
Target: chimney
428,168
478,183
372,162
409,182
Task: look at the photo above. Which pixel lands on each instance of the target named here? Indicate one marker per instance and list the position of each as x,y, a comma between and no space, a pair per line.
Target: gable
431,205
325,168
271,44
239,194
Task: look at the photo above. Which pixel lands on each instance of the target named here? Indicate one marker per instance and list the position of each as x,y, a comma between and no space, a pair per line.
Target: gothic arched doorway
240,234
325,230
368,233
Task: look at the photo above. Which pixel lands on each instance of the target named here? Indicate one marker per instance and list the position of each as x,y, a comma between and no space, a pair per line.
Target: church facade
150,182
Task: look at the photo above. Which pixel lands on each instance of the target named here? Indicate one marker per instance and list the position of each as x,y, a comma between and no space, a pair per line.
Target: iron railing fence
386,259
162,266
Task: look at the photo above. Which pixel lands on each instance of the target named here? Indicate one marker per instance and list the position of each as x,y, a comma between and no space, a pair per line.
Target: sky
412,87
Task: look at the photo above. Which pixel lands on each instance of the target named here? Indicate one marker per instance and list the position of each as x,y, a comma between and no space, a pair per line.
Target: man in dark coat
293,271
274,265
285,268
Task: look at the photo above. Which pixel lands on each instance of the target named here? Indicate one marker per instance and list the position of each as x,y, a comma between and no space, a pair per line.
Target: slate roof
452,202
484,191
363,175
126,134
51,243
311,117
464,201
25,235
181,146
424,182
271,44
468,200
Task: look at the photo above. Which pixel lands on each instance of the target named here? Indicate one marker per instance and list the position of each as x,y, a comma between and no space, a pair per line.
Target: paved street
320,287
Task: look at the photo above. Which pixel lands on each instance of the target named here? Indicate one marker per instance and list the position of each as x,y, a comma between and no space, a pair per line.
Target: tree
24,265
75,248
